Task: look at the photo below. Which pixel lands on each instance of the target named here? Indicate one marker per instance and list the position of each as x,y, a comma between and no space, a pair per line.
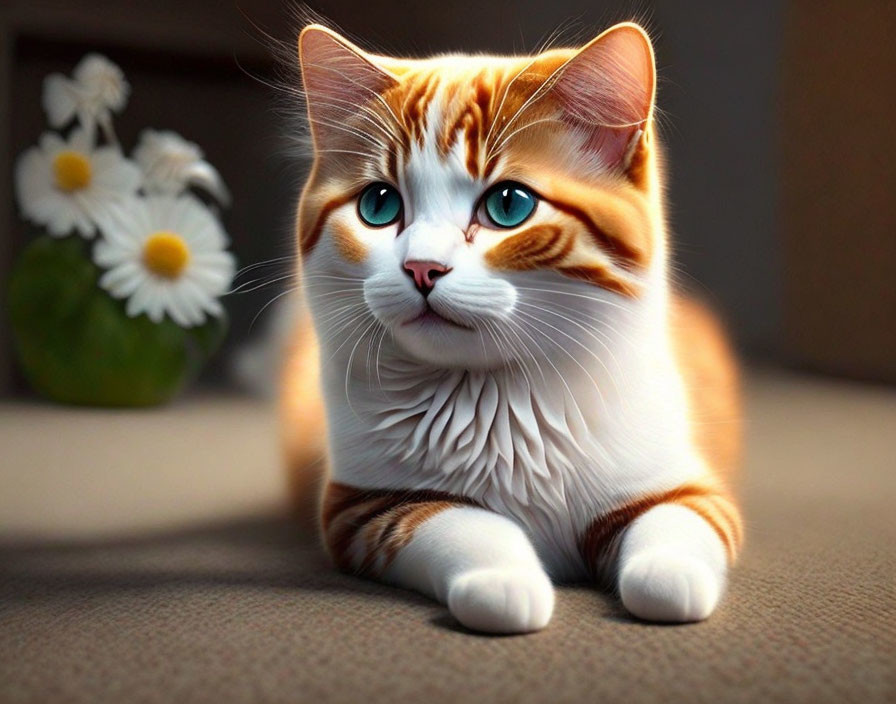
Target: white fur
495,584
671,566
550,402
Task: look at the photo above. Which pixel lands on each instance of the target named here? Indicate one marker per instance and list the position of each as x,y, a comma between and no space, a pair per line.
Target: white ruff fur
562,404
552,447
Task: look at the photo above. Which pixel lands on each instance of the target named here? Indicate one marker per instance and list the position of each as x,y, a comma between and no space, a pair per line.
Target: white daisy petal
213,306
51,144
155,304
103,81
60,99
67,184
160,255
97,90
137,303
122,280
210,280
206,177
112,168
195,309
170,164
175,309
60,224
83,225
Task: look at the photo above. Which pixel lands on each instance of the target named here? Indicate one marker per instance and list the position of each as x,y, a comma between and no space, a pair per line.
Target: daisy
170,164
66,185
166,255
97,89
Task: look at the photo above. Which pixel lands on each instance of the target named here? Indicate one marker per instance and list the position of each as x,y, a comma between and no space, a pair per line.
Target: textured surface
248,609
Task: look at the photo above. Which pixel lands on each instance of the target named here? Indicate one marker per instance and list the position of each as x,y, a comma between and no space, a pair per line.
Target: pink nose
425,274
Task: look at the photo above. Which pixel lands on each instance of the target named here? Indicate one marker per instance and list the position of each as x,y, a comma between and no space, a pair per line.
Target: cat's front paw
665,585
502,600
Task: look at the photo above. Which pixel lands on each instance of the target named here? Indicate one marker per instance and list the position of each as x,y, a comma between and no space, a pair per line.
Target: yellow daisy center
72,171
166,254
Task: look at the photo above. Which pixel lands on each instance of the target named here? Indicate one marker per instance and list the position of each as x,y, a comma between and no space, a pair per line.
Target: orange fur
364,529
302,421
711,377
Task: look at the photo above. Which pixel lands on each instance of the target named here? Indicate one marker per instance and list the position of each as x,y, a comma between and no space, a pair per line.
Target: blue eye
509,204
379,205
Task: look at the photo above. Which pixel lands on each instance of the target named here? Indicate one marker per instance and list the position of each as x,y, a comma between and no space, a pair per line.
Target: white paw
502,600
664,585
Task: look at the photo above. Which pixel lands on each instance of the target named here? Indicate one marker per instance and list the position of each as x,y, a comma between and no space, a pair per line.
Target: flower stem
106,126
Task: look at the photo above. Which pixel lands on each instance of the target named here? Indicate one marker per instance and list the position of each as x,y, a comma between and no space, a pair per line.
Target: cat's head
478,207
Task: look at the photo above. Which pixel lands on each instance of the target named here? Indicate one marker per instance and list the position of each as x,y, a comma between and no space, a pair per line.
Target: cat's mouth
429,317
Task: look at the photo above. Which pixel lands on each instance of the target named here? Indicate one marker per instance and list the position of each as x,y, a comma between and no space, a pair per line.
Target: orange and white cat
511,392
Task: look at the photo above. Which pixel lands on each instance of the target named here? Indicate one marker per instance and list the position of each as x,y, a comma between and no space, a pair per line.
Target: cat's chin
429,320
433,339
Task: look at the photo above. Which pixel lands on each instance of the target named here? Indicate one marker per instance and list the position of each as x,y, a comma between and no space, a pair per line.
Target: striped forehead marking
464,106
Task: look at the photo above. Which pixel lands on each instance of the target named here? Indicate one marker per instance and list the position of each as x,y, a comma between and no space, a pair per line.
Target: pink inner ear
607,89
338,80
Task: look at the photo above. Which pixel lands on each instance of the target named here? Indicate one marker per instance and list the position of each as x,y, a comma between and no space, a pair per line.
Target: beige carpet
240,608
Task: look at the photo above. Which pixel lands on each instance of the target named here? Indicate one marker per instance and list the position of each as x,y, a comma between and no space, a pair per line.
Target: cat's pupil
509,204
379,205
507,200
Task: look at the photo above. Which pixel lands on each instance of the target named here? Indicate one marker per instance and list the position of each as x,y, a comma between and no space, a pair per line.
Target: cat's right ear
338,78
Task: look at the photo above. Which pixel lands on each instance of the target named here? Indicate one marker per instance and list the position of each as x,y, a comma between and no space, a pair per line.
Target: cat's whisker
504,95
271,302
523,347
522,325
596,299
268,262
606,329
353,111
528,125
539,93
351,131
331,317
346,78
348,367
379,347
591,331
571,356
256,284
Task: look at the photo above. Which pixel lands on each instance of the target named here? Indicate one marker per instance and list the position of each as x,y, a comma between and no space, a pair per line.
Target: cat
506,388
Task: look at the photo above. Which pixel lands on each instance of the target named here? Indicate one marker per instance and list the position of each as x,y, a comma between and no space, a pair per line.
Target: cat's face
478,207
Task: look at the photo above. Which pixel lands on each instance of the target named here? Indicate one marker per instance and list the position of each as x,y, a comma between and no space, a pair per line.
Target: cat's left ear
607,91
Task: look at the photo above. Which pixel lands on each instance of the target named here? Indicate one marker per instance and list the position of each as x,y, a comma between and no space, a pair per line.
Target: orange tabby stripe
473,119
600,541
530,249
392,163
349,246
626,256
313,235
365,528
599,276
416,104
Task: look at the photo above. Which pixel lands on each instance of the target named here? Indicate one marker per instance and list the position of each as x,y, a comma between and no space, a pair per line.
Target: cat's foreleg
482,565
671,553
